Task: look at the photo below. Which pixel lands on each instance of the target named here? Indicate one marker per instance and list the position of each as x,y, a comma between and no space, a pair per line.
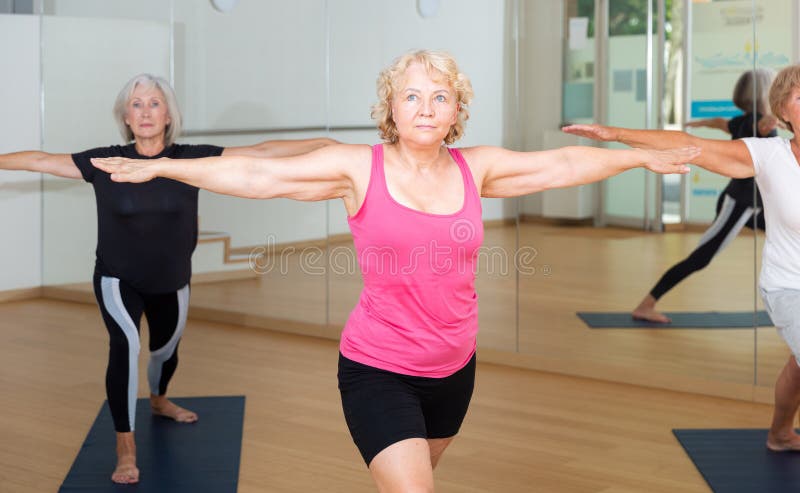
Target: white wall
20,129
86,62
263,65
110,9
541,34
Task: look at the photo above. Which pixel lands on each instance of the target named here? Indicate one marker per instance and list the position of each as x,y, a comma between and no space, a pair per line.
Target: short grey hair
173,129
751,93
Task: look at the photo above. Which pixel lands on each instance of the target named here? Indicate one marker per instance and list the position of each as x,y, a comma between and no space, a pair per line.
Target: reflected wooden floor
568,269
525,431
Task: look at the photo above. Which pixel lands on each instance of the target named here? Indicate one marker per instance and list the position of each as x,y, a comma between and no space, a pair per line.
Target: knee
791,336
437,447
121,345
701,259
412,487
408,483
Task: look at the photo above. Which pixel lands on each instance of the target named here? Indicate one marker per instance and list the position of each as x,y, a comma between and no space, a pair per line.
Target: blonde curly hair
435,63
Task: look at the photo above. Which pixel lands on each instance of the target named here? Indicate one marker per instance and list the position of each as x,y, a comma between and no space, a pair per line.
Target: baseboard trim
272,324
83,292
77,293
608,373
701,228
20,294
224,275
552,221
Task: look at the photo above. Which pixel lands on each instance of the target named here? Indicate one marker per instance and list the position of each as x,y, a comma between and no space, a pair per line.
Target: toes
125,477
185,416
651,317
784,446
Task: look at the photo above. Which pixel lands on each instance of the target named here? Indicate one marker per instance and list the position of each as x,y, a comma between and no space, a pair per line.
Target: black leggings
732,216
122,306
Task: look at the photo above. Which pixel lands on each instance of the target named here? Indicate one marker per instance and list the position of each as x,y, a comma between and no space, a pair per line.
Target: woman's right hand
593,131
669,161
124,169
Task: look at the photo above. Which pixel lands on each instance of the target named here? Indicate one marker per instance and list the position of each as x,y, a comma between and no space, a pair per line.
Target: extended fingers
685,154
595,132
674,160
107,163
577,129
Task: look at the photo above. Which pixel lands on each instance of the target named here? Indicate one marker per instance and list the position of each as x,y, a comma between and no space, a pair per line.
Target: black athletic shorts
382,407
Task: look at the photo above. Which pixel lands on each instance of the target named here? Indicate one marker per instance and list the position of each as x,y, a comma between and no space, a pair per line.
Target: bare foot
164,407
126,471
647,311
790,443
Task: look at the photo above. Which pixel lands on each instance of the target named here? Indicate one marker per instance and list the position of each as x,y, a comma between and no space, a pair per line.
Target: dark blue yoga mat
680,320
171,457
738,461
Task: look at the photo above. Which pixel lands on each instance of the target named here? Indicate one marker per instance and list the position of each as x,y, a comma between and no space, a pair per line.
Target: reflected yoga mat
738,461
680,320
173,457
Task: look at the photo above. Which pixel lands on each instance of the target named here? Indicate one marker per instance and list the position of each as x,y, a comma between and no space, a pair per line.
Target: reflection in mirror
247,265
608,270
81,80
240,85
262,262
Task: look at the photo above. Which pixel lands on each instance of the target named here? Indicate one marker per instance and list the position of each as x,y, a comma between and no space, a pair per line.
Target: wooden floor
526,431
533,318
530,320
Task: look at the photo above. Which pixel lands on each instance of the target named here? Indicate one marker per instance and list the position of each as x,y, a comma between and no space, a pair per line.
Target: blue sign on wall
711,109
705,192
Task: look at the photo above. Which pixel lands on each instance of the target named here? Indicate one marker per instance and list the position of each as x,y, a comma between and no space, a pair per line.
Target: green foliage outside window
625,16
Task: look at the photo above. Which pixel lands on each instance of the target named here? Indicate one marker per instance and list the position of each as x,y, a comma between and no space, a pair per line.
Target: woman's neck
418,157
150,147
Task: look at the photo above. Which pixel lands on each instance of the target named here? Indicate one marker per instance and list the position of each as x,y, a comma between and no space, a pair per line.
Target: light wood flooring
526,431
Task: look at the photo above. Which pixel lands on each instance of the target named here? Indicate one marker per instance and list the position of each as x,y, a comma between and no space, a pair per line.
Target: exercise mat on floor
738,461
680,320
171,456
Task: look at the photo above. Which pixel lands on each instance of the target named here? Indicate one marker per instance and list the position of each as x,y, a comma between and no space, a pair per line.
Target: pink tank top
418,311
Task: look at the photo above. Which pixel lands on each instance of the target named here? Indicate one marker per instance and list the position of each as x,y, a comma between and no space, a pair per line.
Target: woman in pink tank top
407,353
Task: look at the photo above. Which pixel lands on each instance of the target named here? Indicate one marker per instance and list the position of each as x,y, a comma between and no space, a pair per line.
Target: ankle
158,400
126,445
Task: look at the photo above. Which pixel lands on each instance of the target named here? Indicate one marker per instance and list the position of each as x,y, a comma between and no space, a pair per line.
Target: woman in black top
735,207
146,236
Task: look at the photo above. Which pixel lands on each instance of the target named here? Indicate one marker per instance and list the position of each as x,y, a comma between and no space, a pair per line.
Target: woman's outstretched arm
279,148
41,162
319,175
508,173
725,157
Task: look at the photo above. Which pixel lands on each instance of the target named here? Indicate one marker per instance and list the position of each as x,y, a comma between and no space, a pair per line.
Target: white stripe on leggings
162,354
112,300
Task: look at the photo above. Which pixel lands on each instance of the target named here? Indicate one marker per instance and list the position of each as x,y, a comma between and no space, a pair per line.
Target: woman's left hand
124,169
